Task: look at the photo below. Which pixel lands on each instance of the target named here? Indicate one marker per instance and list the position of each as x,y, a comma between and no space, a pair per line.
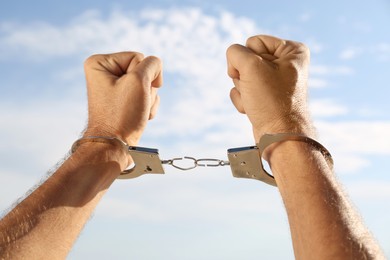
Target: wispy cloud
378,191
314,45
363,137
186,31
353,141
326,108
203,202
317,82
330,70
196,114
383,51
319,74
350,53
378,51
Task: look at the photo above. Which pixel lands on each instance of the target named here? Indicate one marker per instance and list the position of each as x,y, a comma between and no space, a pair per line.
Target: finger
153,95
266,47
135,61
271,48
158,82
235,96
150,70
241,60
264,44
232,71
154,107
154,103
231,55
126,61
236,83
115,63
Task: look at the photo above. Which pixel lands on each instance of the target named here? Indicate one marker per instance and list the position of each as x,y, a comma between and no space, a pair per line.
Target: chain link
206,162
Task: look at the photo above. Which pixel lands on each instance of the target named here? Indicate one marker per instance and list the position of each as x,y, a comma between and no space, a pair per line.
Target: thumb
150,70
235,96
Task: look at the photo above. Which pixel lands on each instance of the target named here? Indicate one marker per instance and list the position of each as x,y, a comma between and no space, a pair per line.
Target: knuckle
299,46
152,115
93,59
304,49
138,56
253,61
155,59
251,40
231,49
137,77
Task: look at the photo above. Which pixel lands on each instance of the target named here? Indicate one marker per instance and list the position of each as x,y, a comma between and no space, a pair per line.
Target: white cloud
40,132
317,82
382,51
319,73
372,190
190,42
348,162
314,46
192,45
326,108
378,51
362,137
14,185
330,70
352,141
181,33
349,53
384,47
362,27
196,117
204,202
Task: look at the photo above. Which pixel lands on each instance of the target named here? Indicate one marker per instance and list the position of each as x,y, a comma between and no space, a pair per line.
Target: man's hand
122,94
270,78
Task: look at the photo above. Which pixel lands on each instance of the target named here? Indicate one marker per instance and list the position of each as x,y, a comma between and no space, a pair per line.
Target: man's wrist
290,160
100,129
99,152
299,125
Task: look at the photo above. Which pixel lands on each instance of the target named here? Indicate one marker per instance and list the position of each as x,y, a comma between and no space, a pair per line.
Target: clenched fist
122,94
270,77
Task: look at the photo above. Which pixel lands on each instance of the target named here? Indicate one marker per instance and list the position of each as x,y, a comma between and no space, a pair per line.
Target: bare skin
270,77
46,224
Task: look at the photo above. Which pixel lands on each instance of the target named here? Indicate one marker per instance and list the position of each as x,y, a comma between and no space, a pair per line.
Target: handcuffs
244,162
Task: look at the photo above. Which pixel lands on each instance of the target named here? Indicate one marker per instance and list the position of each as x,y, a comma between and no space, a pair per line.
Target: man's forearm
46,223
322,221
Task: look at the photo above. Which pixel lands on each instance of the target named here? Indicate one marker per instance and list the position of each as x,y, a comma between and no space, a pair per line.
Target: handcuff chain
207,162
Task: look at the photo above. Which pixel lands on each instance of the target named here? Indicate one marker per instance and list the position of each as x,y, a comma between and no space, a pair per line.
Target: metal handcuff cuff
244,162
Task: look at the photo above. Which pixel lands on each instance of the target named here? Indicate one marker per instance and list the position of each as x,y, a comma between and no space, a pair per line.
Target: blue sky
205,213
